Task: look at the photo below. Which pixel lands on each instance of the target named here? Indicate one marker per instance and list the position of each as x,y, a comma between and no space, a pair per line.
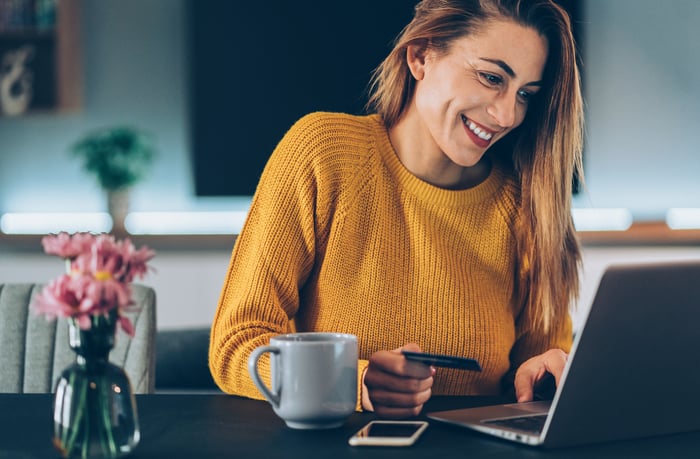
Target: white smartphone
388,433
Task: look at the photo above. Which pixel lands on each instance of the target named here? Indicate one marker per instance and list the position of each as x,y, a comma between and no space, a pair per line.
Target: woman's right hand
394,387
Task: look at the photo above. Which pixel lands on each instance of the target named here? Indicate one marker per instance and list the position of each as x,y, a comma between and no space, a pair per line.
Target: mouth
479,131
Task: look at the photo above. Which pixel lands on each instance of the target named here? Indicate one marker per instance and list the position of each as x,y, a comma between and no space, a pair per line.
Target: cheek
423,97
473,99
439,92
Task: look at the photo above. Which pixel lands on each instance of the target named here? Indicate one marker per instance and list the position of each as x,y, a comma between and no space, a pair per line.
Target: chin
470,162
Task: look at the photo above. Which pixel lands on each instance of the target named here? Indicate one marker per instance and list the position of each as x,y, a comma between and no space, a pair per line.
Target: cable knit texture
341,237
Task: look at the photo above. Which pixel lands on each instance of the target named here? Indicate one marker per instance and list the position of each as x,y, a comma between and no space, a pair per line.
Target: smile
478,131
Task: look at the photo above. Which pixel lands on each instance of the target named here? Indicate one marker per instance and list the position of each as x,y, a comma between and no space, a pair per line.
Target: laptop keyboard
533,424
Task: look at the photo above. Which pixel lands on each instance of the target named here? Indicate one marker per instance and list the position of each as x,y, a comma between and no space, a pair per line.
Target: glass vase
94,408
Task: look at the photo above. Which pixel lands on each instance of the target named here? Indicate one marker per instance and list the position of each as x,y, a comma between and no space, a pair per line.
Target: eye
525,95
490,79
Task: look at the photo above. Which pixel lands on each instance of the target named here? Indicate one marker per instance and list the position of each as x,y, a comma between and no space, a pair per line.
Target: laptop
633,370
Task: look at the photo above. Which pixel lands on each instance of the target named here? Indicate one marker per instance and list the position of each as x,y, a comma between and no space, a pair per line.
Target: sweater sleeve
271,259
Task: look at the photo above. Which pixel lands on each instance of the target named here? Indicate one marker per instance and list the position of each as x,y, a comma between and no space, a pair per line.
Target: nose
503,109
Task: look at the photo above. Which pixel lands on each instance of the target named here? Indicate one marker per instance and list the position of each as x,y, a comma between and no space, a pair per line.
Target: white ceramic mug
314,378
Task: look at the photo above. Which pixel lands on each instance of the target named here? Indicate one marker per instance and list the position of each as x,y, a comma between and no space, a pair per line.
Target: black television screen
256,67
259,66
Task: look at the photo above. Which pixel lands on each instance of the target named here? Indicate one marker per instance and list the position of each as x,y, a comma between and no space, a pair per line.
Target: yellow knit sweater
341,237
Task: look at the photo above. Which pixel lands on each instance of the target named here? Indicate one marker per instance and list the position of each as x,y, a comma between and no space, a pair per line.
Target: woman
439,223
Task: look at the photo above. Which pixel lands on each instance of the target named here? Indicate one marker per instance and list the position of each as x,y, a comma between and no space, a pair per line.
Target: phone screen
381,429
389,433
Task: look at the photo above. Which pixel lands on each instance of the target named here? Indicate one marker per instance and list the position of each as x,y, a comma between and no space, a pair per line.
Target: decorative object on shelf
40,57
16,80
119,157
95,414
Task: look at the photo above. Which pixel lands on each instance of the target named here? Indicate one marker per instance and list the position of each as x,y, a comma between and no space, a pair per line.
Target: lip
482,143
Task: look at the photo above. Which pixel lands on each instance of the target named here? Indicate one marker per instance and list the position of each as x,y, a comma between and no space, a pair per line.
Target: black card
442,360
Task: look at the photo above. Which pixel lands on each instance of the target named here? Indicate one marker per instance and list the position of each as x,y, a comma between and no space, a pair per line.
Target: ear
416,58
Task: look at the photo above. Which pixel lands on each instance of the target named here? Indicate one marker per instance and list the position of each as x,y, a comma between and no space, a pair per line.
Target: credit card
442,360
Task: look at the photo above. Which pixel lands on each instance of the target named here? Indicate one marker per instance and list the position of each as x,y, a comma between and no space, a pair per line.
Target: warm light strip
602,219
185,222
55,222
683,218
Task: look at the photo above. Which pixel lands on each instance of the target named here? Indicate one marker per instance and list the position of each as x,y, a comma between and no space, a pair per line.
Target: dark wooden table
218,426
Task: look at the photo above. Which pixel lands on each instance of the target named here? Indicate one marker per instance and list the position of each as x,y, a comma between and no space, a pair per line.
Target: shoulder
343,120
509,195
323,140
329,129
329,156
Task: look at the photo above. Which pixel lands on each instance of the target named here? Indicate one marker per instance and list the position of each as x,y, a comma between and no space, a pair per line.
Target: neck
425,160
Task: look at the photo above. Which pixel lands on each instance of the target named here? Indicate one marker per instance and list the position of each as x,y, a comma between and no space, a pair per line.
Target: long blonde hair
544,151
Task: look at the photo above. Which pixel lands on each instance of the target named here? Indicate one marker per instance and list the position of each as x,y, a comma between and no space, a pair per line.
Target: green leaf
119,157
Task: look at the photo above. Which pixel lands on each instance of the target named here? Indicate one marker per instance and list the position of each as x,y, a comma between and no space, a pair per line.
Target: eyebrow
507,68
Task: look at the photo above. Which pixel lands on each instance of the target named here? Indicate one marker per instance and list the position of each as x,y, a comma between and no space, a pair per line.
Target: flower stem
105,410
81,421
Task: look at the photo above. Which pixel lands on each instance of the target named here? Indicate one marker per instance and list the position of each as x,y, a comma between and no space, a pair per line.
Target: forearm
228,357
256,303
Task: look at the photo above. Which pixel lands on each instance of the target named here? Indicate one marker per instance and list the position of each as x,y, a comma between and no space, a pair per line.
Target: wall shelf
32,242
41,57
652,233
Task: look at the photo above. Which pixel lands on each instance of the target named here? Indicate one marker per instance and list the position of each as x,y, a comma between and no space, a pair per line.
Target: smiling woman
441,222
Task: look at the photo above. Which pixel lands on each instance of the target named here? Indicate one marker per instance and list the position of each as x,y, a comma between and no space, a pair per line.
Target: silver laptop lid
633,370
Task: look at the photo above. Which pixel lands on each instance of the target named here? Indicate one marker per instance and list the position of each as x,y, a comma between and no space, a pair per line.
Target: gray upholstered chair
34,351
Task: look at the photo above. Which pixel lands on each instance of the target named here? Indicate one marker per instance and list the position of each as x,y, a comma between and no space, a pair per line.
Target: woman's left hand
535,370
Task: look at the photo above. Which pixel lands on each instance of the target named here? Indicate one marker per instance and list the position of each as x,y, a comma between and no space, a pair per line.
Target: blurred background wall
642,85
135,72
642,67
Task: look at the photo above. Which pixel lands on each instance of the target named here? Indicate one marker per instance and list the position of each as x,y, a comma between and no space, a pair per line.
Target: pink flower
116,260
137,260
57,299
99,279
65,245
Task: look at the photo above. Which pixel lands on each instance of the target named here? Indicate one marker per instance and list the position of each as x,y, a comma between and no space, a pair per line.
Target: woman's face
478,91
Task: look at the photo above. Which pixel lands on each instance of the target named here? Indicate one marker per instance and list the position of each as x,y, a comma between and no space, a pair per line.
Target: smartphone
389,433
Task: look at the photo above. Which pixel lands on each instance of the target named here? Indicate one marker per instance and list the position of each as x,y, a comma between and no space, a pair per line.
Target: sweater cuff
361,368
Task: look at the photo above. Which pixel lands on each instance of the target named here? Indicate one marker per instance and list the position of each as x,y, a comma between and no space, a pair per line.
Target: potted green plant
119,157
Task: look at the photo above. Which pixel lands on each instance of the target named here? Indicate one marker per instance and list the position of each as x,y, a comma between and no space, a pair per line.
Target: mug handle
271,397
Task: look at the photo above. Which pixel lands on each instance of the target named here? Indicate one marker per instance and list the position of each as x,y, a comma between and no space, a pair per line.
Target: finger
413,347
555,361
397,413
395,363
388,398
524,387
378,379
393,405
534,370
526,376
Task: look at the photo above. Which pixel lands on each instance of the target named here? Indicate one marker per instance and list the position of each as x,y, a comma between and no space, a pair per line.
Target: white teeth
477,130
